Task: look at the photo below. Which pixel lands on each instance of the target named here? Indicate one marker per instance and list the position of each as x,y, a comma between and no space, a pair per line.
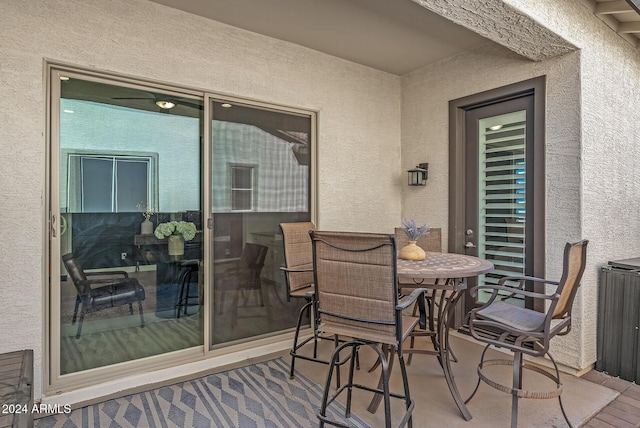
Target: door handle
53,226
469,245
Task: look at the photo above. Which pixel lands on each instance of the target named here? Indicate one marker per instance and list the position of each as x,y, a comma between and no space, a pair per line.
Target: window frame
77,206
252,189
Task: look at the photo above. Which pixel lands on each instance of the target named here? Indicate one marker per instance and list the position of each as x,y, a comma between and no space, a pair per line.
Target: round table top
443,265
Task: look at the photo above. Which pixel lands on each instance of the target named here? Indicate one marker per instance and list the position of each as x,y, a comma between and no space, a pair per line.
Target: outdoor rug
259,395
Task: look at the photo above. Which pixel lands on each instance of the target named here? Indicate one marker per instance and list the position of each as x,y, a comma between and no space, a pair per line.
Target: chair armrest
286,269
108,273
406,301
512,291
102,282
416,295
522,279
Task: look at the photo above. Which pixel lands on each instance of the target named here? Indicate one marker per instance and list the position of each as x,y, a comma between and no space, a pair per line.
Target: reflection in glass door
502,196
261,177
128,166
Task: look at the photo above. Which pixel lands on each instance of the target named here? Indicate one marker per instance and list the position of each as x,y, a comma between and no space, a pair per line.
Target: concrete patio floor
595,400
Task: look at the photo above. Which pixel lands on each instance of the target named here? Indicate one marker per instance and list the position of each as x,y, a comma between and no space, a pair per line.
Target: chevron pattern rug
259,395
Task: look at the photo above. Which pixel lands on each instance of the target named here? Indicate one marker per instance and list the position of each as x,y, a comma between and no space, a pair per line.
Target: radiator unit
619,319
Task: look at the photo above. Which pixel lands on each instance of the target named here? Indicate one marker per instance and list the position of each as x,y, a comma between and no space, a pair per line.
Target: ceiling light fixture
165,104
225,105
68,111
495,127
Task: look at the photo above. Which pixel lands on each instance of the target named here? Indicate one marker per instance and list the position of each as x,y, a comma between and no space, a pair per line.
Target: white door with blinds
502,168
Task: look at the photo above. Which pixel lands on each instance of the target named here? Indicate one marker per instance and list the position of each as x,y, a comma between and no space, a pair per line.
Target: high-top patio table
454,269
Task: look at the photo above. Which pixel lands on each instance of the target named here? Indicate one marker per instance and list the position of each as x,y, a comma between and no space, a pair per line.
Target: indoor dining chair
100,290
356,281
523,331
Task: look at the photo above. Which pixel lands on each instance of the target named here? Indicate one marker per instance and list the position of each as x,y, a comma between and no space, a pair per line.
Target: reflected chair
242,277
357,296
111,289
524,331
188,269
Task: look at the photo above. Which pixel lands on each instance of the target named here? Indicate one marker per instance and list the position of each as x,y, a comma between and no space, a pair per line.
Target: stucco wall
358,119
592,136
610,97
426,94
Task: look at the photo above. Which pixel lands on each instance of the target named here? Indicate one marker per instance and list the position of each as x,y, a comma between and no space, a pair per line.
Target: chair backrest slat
575,259
297,253
432,241
356,283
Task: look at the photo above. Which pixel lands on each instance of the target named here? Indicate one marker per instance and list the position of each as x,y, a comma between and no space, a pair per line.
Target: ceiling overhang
623,16
503,24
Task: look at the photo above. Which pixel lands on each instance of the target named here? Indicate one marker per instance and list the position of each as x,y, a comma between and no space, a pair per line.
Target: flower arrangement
184,228
146,211
410,227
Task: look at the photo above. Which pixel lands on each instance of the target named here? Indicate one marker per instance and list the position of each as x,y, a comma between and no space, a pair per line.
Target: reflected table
455,269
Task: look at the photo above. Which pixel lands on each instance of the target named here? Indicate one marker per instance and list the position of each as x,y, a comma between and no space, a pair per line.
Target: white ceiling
397,36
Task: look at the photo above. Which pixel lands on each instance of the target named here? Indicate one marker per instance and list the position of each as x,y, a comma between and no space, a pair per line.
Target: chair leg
385,359
559,384
486,348
141,314
354,353
322,412
80,324
130,309
336,345
517,386
75,311
221,303
405,382
294,349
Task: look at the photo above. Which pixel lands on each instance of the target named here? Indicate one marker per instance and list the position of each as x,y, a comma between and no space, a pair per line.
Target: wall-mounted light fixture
418,175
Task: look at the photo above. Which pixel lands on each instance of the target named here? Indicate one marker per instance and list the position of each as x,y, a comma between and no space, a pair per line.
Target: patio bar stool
524,331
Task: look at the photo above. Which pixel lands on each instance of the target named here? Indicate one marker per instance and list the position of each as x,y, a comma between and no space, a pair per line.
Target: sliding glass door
140,274
126,164
261,163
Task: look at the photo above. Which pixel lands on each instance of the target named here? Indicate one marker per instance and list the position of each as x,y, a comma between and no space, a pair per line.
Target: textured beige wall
592,135
358,119
610,101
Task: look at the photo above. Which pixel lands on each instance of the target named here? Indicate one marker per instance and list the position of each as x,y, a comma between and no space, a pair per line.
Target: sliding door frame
53,381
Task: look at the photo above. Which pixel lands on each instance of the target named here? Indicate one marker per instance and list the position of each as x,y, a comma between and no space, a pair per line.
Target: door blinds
502,196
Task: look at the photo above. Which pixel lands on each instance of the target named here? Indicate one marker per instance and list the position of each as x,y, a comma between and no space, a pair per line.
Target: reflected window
241,188
109,183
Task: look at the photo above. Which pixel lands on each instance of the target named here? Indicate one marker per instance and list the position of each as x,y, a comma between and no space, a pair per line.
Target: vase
146,227
412,252
176,245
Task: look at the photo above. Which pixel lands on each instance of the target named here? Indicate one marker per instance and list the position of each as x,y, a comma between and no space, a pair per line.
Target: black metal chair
188,269
242,277
357,286
112,288
524,331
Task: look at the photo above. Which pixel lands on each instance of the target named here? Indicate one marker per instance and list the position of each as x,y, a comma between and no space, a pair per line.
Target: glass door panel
502,196
123,158
499,190
261,177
